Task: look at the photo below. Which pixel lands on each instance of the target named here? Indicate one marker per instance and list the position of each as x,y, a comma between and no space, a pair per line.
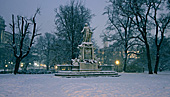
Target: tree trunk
149,58
73,48
48,59
125,64
72,51
125,61
72,44
17,65
47,65
157,61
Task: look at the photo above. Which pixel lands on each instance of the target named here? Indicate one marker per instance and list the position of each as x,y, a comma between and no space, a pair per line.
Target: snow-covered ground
48,85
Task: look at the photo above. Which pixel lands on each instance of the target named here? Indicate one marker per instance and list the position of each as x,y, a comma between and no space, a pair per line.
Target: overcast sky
46,19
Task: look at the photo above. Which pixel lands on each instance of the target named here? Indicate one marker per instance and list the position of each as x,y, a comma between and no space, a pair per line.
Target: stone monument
87,60
86,64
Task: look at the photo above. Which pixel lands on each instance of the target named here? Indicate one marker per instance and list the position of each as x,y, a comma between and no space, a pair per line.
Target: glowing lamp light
117,62
45,65
22,64
36,64
56,67
6,65
100,63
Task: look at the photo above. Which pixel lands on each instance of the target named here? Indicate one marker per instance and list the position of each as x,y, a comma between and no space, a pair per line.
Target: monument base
88,66
74,74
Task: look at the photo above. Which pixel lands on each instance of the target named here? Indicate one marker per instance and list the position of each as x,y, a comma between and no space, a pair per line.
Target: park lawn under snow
48,85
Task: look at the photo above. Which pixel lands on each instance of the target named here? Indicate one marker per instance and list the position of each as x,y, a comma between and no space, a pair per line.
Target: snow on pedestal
87,58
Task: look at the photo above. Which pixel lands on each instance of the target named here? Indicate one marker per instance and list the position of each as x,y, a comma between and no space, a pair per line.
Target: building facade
6,55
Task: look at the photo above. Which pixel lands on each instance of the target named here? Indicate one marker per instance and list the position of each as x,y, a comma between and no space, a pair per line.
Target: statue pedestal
86,51
88,66
87,58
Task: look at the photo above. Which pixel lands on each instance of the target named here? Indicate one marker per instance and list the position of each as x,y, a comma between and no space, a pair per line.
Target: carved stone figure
87,33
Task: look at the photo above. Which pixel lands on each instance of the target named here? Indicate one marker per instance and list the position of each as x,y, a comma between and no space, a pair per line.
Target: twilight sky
46,19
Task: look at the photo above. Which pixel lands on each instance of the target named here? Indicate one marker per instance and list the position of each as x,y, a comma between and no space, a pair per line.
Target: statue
87,33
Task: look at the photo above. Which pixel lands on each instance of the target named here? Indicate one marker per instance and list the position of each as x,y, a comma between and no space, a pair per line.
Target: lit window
103,52
63,69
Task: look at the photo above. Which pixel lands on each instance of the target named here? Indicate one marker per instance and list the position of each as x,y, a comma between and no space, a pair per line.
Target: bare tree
141,10
120,21
147,16
46,47
23,25
70,20
161,20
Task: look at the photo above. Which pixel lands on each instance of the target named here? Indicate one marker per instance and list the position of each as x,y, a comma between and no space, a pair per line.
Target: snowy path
127,85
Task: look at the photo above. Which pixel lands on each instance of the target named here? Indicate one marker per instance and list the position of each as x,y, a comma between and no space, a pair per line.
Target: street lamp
6,66
100,63
117,63
45,66
22,64
56,67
